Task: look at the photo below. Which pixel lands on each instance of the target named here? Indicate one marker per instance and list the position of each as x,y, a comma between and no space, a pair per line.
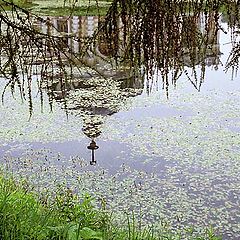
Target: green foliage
20,3
24,216
21,214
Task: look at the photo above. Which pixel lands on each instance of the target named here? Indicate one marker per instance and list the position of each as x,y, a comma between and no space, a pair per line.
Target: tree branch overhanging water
27,51
166,36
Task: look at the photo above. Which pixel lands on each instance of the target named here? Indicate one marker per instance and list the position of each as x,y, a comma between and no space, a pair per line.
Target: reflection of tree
90,96
27,50
193,40
93,99
197,51
231,15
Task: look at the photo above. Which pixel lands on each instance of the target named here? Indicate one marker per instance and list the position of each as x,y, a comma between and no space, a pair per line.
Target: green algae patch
66,8
23,4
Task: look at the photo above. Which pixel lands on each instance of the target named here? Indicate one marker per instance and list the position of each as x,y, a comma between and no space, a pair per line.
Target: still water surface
178,157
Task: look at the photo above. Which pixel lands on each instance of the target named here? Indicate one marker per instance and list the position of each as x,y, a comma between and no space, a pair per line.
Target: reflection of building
80,27
93,147
198,37
95,98
75,34
90,96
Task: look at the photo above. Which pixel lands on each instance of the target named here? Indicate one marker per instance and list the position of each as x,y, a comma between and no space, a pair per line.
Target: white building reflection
193,28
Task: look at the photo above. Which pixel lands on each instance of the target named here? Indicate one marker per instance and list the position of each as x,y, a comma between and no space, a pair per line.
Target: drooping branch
26,50
167,36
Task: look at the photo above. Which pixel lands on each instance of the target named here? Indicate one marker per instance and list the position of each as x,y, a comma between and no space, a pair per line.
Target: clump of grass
24,216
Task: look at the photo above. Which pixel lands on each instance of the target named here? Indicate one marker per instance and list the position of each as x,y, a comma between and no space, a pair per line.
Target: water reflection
196,32
169,36
93,147
201,153
194,41
77,37
183,41
95,99
173,38
192,28
78,26
187,41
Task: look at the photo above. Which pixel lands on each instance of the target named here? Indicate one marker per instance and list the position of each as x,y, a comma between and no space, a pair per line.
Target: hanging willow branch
233,15
26,51
169,37
166,35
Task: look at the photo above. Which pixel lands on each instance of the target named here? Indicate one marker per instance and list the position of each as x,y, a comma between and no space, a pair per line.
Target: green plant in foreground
24,216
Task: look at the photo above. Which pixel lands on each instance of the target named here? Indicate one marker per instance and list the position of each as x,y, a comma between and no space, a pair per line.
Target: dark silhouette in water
93,146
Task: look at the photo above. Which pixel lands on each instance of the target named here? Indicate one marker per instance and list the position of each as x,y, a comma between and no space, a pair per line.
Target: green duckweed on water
194,176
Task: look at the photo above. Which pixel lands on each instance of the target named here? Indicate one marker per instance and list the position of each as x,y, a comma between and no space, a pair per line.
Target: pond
171,155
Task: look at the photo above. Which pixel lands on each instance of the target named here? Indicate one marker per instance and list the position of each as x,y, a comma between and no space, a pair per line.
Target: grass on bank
24,216
76,11
85,8
21,3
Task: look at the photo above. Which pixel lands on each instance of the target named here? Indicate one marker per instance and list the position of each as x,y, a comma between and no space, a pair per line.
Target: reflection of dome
96,98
